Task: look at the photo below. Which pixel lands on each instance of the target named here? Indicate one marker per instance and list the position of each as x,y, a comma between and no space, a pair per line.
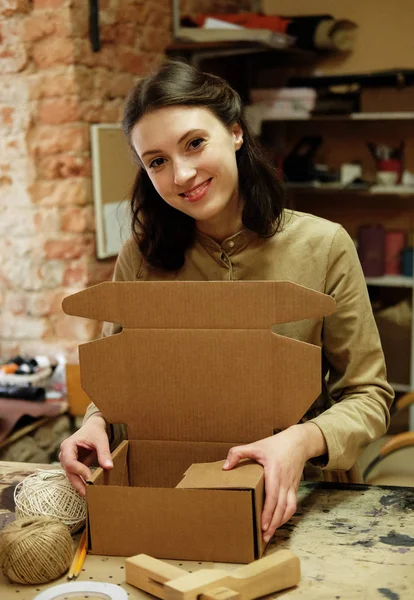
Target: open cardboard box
196,370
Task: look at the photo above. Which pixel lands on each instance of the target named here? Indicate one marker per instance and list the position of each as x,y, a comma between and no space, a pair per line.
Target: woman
206,205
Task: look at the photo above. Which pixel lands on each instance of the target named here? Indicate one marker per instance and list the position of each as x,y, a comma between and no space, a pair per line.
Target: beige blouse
353,409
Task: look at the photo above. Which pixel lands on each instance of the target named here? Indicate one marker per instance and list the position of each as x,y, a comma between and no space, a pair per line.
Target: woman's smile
197,192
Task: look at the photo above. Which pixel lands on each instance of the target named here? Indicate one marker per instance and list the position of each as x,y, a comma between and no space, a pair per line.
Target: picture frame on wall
113,174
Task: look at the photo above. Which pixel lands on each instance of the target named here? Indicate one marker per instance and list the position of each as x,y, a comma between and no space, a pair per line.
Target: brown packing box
196,370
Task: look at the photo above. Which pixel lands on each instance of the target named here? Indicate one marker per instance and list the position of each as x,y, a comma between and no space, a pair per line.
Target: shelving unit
196,52
346,203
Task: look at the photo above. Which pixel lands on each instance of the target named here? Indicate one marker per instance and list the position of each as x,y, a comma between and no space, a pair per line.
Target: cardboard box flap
201,385
199,305
246,475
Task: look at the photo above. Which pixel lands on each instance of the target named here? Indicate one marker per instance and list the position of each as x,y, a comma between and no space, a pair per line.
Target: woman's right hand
80,449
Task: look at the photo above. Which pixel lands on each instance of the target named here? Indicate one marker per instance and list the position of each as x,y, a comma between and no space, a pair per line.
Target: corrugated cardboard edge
118,475
247,475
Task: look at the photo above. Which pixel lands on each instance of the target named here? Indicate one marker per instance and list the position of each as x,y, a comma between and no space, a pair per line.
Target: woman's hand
283,457
80,449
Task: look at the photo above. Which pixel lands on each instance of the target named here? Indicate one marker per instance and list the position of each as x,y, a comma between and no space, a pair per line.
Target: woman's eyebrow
182,138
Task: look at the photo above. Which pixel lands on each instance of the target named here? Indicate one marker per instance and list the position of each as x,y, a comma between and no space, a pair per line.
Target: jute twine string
35,550
50,493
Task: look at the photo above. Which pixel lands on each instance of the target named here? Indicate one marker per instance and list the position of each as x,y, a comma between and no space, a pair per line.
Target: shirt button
231,244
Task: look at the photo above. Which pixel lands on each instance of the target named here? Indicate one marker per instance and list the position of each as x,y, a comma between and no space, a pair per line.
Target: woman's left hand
283,457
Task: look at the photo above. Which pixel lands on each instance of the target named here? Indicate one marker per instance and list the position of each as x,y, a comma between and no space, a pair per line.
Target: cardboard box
195,371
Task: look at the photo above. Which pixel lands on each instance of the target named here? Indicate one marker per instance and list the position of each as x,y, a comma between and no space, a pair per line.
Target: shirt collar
231,245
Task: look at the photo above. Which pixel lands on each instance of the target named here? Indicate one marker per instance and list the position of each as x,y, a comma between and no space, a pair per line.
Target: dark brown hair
163,233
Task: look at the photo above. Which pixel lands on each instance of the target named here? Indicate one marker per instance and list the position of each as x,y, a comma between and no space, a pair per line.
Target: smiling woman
199,160
207,206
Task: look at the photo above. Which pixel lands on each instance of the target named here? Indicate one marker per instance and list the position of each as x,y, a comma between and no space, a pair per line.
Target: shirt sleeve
127,268
356,381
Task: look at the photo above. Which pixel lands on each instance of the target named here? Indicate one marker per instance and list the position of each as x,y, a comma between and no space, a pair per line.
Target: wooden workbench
353,541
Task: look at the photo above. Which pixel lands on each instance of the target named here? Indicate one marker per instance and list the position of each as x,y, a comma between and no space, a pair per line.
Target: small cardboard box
195,371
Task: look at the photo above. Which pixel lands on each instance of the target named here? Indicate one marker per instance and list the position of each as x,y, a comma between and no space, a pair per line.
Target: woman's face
190,157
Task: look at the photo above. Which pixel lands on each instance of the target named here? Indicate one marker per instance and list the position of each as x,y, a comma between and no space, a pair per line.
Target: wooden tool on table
270,574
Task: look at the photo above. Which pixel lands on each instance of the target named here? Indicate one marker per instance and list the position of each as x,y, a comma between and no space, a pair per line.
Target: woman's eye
196,143
157,162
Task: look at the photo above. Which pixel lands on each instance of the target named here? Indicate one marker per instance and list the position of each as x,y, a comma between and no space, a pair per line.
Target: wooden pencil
79,558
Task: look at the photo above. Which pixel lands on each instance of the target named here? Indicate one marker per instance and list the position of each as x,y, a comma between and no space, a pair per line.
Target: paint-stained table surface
353,541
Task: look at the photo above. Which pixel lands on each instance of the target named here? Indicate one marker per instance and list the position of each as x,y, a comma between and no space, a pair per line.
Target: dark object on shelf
322,32
387,159
395,241
391,78
333,103
358,184
371,250
298,166
407,260
28,392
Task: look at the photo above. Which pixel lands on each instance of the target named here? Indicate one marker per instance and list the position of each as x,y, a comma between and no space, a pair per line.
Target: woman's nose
183,172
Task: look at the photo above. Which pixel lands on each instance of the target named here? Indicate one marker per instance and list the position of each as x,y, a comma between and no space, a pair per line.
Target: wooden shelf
377,116
400,387
399,281
204,50
337,188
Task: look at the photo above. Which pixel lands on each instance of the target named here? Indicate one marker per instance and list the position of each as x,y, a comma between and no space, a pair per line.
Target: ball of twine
50,493
35,550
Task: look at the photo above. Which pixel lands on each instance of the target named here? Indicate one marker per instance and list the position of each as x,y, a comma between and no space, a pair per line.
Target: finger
290,506
69,461
277,515
271,497
77,483
236,453
103,452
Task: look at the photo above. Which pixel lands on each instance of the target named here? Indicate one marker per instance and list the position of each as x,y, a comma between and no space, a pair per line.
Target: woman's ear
237,132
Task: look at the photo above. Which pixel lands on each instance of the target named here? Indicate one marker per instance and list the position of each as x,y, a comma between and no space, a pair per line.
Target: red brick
76,274
64,192
54,51
13,55
46,220
24,327
91,110
58,110
39,26
64,165
159,19
5,181
108,33
125,33
67,327
106,57
131,14
78,219
112,111
39,4
154,40
70,247
132,61
100,271
34,304
11,7
54,139
121,84
6,115
15,303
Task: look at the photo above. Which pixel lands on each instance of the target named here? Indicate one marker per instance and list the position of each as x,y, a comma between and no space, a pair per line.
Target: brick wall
52,87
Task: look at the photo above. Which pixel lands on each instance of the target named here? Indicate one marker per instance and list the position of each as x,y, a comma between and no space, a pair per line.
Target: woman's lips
198,193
